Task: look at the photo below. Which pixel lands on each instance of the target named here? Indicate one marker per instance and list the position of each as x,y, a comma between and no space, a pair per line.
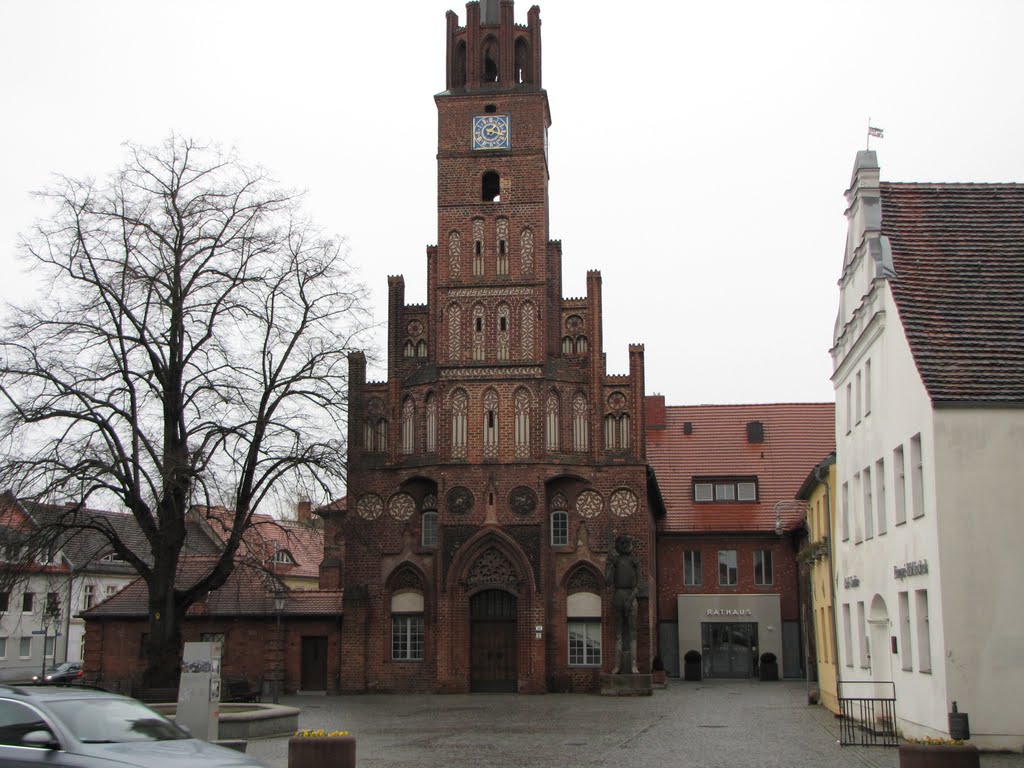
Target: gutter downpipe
821,475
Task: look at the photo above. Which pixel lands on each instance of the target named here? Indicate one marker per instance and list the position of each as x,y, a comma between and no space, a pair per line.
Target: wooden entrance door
314,663
493,648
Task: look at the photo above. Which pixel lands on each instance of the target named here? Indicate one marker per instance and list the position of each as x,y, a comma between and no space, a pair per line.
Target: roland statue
622,573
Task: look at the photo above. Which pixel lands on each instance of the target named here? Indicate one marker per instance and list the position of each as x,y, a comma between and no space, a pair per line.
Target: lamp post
279,598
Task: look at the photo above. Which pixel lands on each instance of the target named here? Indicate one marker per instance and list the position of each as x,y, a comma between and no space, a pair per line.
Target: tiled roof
958,253
304,541
248,591
797,436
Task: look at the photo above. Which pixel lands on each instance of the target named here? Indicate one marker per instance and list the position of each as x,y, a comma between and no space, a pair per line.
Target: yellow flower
320,732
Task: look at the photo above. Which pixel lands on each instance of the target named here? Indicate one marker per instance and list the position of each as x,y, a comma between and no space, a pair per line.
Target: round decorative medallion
574,323
616,401
623,502
415,328
589,503
401,506
370,506
460,500
522,501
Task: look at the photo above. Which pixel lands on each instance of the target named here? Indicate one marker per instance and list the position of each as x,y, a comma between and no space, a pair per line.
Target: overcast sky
699,150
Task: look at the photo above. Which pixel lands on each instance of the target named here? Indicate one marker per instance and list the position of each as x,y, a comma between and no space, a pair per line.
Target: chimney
655,407
304,510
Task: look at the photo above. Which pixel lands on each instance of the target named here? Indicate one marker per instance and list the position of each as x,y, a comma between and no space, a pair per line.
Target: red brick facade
497,412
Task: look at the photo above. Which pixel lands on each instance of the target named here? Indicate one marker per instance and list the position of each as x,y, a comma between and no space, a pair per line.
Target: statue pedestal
626,685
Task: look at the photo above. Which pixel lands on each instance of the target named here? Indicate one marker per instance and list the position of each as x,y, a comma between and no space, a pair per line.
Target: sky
699,150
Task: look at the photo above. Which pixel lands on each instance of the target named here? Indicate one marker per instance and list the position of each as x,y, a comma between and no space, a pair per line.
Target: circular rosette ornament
522,501
370,506
623,502
460,501
589,504
401,506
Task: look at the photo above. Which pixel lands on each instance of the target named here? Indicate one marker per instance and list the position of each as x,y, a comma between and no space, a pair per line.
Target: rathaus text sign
730,612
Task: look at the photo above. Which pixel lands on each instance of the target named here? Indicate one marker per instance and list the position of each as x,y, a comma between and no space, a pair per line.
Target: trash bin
959,725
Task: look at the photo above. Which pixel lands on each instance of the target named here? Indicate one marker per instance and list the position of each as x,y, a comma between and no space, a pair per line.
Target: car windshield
106,721
62,667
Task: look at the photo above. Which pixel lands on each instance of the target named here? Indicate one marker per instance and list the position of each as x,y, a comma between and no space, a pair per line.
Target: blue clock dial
492,132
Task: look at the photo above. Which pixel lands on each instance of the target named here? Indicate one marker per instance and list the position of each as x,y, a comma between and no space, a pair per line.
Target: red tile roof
797,436
958,253
248,591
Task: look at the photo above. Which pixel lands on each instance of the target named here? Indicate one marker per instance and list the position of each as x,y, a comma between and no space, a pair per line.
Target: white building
928,361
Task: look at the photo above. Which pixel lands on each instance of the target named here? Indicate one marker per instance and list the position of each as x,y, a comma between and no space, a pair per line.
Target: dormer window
724,490
112,557
283,557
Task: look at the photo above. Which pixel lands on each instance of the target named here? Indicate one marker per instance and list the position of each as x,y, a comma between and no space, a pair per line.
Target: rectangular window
899,479
724,489
869,512
859,395
28,602
407,638
3,647
906,654
88,595
916,477
846,511
5,602
81,648
110,591
924,642
855,513
52,604
763,567
880,496
728,575
849,408
25,647
559,528
585,643
867,387
51,646
862,636
847,635
692,568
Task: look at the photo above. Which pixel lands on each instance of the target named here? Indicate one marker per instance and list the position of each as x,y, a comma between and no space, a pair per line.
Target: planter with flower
938,753
322,749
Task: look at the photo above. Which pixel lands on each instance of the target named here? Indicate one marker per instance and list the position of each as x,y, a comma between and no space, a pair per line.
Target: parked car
68,672
87,728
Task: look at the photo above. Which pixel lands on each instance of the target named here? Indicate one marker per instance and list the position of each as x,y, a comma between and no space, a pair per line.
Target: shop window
583,610
728,572
692,574
763,575
725,490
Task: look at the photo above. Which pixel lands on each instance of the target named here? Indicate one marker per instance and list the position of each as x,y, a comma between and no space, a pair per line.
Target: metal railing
868,720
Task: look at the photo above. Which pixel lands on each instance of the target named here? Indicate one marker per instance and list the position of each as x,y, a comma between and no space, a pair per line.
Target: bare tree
190,348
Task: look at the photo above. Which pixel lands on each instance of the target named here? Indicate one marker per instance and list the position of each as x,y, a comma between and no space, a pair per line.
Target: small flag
876,132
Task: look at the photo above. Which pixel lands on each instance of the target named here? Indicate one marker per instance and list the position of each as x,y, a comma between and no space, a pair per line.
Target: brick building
727,574
487,474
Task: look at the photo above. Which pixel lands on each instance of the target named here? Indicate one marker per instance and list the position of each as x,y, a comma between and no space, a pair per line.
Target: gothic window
502,237
624,430
567,345
459,66
454,254
460,410
522,61
526,251
409,350
454,332
430,406
490,424
551,426
580,430
522,426
408,426
527,323
559,521
478,332
611,432
421,348
503,332
381,437
375,432
490,187
581,345
428,527
490,60
478,247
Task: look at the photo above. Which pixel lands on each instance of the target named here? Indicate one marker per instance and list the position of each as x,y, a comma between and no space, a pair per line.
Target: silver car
85,728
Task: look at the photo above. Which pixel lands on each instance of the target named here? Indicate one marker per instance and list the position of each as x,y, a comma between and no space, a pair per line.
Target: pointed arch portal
493,649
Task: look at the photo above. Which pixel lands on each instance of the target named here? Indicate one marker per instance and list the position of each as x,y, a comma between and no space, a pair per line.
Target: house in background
928,360
727,581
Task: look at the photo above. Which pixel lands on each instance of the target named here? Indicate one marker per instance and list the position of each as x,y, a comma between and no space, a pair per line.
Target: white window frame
408,637
732,568
21,647
559,526
587,651
764,570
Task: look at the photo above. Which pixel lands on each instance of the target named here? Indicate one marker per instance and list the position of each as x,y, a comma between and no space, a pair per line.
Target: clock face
492,132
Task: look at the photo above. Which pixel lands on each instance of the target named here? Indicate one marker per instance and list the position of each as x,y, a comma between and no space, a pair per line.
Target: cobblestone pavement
720,724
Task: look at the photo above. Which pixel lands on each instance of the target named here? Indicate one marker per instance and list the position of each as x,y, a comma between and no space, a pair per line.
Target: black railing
867,720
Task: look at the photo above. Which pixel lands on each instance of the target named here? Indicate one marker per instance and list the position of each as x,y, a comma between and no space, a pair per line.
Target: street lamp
279,598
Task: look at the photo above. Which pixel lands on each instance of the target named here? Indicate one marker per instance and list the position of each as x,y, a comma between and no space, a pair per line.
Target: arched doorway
492,642
879,650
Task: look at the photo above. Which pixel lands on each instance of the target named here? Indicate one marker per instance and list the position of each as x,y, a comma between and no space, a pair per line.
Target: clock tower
491,471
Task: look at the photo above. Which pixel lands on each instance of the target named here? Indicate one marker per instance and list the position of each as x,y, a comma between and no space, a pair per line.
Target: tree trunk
163,649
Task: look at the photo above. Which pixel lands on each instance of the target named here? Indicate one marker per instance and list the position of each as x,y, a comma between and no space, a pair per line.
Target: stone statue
622,572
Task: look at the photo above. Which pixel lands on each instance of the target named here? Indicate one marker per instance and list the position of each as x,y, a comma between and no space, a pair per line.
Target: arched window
381,442
490,187
408,426
522,61
460,409
580,429
624,430
489,64
421,348
407,610
478,332
581,345
503,332
583,611
368,433
522,426
490,424
430,406
567,345
501,230
559,521
459,66
428,522
454,332
478,247
409,350
551,424
611,431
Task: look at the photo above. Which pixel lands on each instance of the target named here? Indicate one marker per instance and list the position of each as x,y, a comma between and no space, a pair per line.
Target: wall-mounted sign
730,612
913,568
851,581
